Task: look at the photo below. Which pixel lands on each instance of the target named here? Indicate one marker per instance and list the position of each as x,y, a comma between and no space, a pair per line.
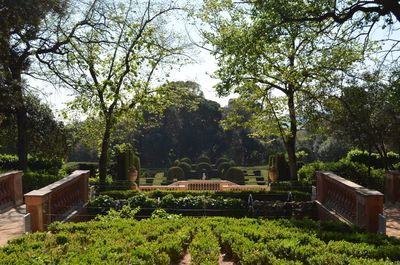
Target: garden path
12,224
392,213
187,260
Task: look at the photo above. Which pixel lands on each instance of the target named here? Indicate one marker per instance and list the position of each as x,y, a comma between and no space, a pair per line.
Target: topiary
221,160
175,173
203,159
176,163
186,160
222,168
203,168
186,168
235,175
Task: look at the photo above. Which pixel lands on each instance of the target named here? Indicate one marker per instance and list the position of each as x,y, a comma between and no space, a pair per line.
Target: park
199,132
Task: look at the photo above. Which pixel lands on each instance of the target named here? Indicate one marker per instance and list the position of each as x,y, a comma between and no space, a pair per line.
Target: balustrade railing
10,189
342,199
56,201
205,185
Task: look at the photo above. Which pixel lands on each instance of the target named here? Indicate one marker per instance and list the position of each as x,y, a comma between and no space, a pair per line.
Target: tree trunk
103,161
22,145
291,139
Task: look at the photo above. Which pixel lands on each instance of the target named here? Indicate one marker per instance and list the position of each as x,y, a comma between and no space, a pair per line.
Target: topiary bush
373,159
175,173
186,168
221,160
186,160
125,159
235,175
203,168
222,168
203,159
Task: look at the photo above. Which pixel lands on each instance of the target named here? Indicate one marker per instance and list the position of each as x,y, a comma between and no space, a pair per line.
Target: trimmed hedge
72,166
175,173
204,168
49,165
36,180
186,160
204,159
235,175
186,168
373,159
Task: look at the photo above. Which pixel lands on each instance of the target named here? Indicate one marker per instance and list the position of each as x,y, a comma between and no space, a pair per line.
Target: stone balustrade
341,199
58,201
205,185
10,189
392,187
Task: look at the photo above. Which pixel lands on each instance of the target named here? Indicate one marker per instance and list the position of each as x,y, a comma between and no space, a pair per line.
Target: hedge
49,165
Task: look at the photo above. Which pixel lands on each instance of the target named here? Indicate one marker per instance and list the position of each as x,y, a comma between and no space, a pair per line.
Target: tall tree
28,28
276,65
111,66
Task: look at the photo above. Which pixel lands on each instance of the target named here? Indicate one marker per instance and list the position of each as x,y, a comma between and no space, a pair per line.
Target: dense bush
186,160
49,165
175,173
235,175
204,168
373,159
186,168
203,159
223,168
356,172
160,241
221,160
36,180
72,166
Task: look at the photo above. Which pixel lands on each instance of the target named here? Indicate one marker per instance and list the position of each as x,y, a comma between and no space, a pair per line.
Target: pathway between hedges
187,260
12,224
392,213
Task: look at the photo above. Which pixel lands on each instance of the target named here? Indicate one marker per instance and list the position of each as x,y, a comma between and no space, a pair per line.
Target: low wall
58,201
10,190
341,199
211,185
392,187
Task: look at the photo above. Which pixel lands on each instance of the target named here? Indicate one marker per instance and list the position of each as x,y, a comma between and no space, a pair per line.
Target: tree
28,28
110,66
366,113
275,67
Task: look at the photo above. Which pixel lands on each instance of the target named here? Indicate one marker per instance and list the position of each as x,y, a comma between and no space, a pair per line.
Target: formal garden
199,132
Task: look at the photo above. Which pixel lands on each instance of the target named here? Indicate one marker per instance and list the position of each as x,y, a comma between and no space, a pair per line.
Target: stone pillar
38,205
17,187
321,186
392,186
369,206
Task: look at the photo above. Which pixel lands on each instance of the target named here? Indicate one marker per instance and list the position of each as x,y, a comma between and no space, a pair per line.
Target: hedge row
158,241
273,195
49,165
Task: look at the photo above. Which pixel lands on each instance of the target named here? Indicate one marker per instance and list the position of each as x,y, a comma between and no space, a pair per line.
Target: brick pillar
369,206
392,186
321,191
37,204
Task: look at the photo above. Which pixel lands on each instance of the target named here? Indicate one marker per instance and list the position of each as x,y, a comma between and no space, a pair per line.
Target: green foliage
72,166
186,160
119,194
186,168
373,159
221,160
223,168
175,173
235,175
204,248
101,204
203,159
48,165
36,180
160,241
203,167
126,160
358,173
162,214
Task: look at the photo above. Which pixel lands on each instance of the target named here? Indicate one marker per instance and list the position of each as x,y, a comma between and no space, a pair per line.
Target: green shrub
72,166
204,248
373,159
221,160
358,173
203,168
204,159
235,175
126,160
119,194
101,205
186,160
175,173
223,168
45,165
186,168
36,180
176,163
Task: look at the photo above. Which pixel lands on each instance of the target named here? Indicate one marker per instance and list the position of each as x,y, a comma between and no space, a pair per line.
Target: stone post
38,205
17,187
392,186
369,207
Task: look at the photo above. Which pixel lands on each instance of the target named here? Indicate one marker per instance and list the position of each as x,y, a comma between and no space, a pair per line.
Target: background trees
274,66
